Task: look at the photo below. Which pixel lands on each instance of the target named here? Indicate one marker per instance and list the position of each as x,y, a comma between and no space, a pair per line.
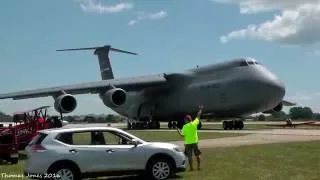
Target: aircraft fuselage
231,89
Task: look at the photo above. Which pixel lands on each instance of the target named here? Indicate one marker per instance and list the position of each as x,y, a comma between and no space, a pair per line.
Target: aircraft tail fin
103,56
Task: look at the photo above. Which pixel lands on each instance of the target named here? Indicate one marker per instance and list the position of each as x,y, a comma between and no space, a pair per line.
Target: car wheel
160,169
65,172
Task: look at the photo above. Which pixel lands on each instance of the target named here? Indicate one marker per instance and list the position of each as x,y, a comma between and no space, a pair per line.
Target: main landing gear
143,124
233,124
179,124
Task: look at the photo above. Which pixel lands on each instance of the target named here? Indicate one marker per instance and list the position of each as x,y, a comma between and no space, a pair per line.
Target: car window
81,138
38,138
112,138
94,138
109,138
76,138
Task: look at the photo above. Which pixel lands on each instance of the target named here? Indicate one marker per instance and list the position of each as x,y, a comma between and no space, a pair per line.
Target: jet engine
65,103
278,108
115,97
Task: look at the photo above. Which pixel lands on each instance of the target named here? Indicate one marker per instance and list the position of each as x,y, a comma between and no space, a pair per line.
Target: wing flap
128,84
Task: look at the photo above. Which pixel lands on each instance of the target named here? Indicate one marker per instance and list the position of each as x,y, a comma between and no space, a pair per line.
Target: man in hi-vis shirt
190,134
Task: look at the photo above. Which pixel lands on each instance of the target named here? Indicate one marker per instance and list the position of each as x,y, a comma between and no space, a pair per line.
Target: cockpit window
243,63
250,62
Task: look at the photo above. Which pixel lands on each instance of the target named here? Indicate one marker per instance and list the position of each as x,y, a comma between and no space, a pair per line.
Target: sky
168,35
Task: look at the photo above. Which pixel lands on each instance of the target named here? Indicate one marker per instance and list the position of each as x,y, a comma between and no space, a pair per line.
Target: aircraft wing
287,103
128,84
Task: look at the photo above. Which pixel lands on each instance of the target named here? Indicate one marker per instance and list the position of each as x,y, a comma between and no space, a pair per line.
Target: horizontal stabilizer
287,103
107,47
103,56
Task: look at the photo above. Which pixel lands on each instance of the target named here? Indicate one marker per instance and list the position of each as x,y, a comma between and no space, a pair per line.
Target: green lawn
174,136
273,161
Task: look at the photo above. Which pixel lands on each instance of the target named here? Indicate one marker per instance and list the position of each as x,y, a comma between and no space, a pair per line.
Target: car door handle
73,151
109,150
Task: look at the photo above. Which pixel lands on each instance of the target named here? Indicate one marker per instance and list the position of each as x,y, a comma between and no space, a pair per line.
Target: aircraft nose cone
274,88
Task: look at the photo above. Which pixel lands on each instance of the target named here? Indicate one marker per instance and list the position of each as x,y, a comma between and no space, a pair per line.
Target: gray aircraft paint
232,88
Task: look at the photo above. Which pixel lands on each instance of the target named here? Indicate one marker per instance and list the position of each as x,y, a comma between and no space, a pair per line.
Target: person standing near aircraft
190,134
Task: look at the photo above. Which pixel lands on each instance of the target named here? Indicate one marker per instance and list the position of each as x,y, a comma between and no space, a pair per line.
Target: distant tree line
4,117
295,113
109,118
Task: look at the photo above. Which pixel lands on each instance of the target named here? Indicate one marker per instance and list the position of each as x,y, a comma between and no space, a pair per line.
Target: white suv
77,153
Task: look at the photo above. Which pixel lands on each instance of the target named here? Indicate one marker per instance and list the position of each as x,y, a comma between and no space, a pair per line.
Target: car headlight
177,149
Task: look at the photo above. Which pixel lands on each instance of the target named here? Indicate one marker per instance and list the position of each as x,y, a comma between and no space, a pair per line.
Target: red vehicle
25,125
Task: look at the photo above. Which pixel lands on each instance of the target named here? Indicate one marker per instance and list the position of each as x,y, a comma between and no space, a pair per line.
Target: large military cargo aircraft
231,89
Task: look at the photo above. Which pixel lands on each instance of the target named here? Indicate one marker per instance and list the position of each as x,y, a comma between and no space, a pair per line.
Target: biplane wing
30,110
291,125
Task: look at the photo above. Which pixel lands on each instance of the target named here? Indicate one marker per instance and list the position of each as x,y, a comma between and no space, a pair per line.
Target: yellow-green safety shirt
190,132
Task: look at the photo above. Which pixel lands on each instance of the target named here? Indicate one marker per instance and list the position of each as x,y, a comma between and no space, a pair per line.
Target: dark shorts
192,147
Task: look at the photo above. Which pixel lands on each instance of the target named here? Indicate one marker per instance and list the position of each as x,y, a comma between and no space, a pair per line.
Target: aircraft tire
174,124
157,125
237,125
230,124
170,124
225,125
129,126
133,126
241,125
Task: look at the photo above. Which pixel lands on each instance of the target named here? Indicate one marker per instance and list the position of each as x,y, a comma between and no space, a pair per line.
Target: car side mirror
135,142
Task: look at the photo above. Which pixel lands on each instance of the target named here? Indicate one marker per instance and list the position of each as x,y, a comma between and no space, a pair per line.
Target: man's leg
188,150
197,153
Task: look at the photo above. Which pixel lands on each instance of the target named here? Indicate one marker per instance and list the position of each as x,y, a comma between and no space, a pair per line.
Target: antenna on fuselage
104,61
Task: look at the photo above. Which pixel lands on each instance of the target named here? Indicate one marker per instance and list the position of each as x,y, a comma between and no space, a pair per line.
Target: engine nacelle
114,97
65,103
278,108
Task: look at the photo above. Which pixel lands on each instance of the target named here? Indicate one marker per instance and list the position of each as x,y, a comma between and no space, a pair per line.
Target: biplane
23,128
289,123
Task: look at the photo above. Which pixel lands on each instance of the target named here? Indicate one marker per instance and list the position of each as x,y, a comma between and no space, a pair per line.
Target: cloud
152,16
94,6
298,22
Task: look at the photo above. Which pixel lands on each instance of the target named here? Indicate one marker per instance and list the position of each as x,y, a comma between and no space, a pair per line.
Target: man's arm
180,132
196,121
199,112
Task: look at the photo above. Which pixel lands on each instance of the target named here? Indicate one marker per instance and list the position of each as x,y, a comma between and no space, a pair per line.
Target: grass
273,161
296,161
174,136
